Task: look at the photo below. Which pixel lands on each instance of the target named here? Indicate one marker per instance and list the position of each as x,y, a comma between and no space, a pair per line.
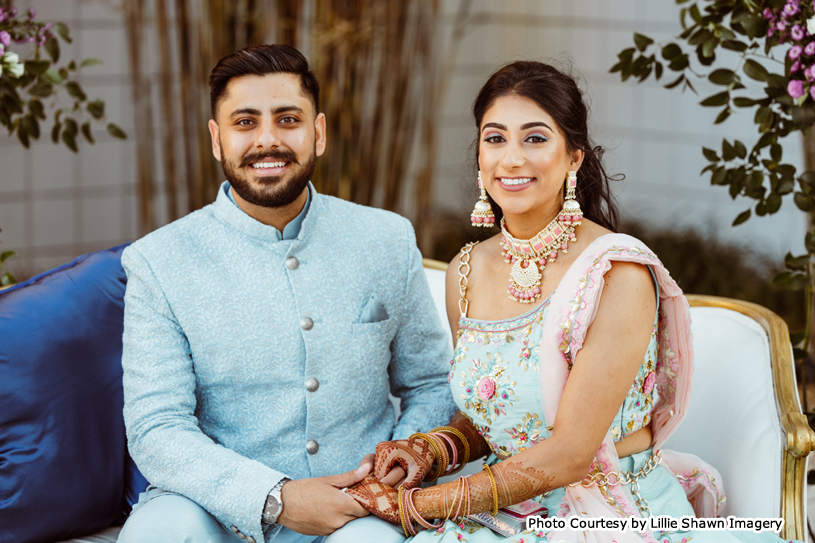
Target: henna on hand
378,498
478,445
412,455
514,481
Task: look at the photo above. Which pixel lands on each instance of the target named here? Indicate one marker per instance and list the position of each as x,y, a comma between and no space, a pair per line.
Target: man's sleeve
421,355
162,431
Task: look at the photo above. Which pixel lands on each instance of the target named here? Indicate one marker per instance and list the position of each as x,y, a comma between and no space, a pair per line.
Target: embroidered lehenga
507,376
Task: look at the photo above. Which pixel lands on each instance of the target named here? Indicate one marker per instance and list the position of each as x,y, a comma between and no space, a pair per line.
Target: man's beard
274,190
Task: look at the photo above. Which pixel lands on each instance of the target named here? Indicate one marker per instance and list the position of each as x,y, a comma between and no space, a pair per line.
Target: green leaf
96,108
116,132
803,201
75,90
728,151
775,152
55,132
716,100
809,242
671,51
722,76
722,116
719,176
796,262
86,131
43,89
675,82
51,76
679,63
754,70
773,203
658,70
741,150
743,216
22,135
70,141
71,127
90,62
63,31
5,255
52,46
734,45
36,67
755,180
710,154
642,42
797,337
799,354
785,186
32,126
7,279
700,37
709,47
36,108
782,278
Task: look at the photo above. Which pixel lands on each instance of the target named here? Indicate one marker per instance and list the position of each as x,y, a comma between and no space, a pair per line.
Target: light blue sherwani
225,324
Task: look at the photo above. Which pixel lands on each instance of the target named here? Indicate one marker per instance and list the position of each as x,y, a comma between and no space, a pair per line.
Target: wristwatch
274,503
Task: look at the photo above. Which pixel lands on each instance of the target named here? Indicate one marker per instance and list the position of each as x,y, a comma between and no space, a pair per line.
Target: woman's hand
378,498
414,456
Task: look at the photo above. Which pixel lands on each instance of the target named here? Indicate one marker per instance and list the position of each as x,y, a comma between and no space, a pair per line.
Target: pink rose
486,388
796,88
649,383
791,8
812,92
808,73
810,48
795,52
795,66
5,38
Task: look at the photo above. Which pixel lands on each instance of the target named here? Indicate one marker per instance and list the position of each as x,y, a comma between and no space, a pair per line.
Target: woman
556,295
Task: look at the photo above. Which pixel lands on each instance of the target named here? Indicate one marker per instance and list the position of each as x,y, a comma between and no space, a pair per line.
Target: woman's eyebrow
527,126
494,125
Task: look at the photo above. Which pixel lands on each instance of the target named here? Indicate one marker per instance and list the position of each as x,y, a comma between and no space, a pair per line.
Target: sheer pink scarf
571,312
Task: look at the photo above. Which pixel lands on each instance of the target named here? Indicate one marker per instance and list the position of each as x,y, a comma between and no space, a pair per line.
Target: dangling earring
482,213
571,212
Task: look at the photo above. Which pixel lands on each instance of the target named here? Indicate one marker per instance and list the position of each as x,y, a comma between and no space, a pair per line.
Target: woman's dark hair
262,60
559,95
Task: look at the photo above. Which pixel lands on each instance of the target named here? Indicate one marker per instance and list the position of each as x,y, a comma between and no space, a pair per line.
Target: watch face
272,510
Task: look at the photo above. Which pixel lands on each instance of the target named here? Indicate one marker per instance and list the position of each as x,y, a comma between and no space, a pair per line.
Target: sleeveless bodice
495,383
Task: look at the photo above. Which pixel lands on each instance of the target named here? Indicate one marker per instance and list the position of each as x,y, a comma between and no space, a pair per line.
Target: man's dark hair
262,60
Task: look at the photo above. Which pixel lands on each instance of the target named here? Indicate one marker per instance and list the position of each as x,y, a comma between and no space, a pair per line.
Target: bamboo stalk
168,111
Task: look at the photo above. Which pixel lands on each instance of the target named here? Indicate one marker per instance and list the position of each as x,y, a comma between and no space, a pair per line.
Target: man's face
267,138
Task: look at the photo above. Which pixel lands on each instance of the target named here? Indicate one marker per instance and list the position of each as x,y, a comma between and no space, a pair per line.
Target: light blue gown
495,383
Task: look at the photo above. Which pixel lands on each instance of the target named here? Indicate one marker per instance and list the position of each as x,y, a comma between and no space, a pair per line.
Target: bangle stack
438,440
408,513
487,468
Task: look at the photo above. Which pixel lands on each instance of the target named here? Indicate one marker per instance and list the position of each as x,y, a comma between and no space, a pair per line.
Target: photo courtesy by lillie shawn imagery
282,365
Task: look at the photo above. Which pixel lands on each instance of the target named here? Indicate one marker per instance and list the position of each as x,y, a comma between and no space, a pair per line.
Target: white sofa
744,417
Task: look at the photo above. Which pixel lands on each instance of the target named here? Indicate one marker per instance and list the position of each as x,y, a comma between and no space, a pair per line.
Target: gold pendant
526,278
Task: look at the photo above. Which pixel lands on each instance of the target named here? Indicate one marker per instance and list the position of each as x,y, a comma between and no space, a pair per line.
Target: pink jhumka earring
482,213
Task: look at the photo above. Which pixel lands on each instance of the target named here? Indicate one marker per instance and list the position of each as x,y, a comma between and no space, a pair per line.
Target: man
264,331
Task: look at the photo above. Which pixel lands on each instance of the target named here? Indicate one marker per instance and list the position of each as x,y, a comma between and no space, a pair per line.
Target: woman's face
523,158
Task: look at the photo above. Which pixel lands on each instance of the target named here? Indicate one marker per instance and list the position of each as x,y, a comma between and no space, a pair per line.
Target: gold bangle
441,465
464,442
402,511
487,468
436,452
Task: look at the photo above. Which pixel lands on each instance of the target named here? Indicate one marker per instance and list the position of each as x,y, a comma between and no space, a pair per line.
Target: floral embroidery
492,377
527,433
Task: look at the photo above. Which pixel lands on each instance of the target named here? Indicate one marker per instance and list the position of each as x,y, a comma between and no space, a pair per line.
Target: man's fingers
394,477
367,462
349,477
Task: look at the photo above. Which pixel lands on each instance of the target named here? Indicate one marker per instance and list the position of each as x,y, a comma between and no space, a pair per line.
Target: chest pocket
372,347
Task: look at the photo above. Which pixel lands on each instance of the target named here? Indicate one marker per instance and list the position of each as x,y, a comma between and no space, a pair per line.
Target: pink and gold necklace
528,256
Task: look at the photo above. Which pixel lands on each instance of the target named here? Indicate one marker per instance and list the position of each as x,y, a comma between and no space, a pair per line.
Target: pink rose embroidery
649,383
486,388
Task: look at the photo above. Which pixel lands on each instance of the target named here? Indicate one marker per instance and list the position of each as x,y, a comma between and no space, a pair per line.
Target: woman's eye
495,138
537,138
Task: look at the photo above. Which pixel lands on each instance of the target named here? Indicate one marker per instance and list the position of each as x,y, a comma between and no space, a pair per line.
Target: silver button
234,529
292,263
250,539
306,323
241,535
312,384
312,447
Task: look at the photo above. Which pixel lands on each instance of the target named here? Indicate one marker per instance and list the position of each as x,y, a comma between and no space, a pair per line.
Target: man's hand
318,506
414,456
378,498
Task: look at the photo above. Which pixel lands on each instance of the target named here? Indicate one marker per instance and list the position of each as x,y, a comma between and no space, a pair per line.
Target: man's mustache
279,154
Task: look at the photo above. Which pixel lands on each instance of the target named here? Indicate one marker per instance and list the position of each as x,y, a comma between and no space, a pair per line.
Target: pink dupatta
571,312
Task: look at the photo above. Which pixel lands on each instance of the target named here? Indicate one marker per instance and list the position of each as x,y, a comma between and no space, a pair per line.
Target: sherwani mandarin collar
234,216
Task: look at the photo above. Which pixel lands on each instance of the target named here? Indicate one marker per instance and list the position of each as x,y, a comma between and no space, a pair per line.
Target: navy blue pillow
64,467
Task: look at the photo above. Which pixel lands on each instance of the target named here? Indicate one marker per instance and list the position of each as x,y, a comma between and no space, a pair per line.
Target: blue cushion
64,465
